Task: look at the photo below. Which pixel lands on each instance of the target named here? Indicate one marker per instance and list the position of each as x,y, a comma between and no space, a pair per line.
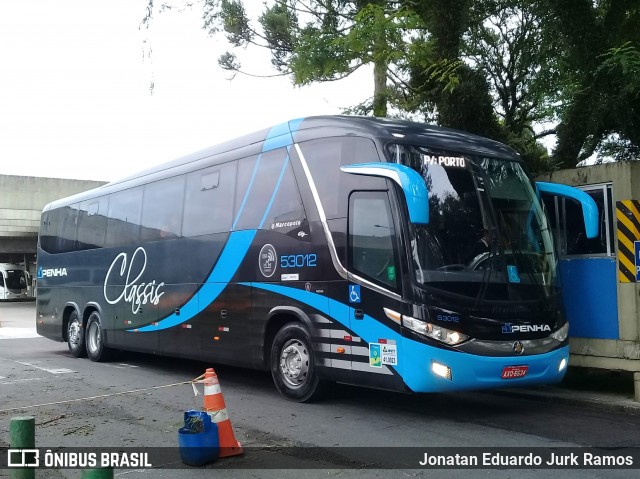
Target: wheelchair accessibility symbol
354,293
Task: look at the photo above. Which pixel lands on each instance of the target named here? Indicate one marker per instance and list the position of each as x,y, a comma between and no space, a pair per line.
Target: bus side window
208,201
287,205
259,183
67,229
325,156
371,237
92,223
123,226
162,209
49,230
1,280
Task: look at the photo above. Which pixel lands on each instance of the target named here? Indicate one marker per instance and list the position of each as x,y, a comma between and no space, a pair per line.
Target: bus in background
368,251
15,283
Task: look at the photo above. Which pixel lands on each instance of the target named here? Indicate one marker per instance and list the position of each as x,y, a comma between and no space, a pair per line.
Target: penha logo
51,272
129,273
525,328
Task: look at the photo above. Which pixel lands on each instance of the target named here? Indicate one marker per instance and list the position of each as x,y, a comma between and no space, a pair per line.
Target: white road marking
123,366
13,381
49,370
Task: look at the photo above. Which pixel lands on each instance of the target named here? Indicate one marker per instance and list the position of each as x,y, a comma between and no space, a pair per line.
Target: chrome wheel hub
74,333
93,337
294,362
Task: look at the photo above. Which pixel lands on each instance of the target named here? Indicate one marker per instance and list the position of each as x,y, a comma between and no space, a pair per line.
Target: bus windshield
486,227
15,279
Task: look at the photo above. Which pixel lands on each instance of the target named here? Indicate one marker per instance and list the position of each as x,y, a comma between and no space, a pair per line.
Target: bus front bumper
429,369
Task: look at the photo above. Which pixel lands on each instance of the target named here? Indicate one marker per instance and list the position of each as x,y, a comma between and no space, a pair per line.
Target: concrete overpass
21,201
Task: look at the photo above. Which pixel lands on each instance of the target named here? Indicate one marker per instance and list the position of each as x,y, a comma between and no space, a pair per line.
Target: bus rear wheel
75,336
292,364
96,350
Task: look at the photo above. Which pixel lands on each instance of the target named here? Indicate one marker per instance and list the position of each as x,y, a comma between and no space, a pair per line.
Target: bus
324,249
14,283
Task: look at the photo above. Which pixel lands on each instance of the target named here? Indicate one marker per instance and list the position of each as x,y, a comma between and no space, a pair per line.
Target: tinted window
208,205
49,230
371,237
123,226
567,221
260,180
324,158
287,206
92,223
162,209
67,229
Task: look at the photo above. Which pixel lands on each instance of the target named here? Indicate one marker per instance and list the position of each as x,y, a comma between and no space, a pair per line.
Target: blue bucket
198,439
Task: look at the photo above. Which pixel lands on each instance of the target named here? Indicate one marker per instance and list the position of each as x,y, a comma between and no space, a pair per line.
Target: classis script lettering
129,274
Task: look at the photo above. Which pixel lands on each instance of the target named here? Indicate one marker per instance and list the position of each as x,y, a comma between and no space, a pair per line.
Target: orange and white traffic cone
214,406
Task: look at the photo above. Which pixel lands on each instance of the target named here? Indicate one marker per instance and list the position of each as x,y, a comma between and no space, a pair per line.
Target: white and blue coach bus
368,251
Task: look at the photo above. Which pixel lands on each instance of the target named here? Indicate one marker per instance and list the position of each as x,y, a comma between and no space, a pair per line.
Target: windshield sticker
514,277
455,161
375,360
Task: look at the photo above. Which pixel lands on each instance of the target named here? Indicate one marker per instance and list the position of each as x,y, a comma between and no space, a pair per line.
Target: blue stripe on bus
227,265
414,358
368,328
279,136
237,245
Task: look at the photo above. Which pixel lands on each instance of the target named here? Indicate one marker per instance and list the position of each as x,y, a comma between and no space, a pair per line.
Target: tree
600,42
498,68
319,40
439,80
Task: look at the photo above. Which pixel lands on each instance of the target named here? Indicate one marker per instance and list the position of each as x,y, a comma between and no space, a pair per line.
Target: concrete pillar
22,435
105,473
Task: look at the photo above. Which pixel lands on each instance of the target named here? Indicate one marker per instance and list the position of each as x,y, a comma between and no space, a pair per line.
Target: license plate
512,372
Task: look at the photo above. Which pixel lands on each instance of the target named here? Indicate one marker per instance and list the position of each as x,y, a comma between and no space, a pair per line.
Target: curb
592,400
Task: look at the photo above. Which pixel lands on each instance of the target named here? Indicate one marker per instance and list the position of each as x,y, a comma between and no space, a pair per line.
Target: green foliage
499,68
599,42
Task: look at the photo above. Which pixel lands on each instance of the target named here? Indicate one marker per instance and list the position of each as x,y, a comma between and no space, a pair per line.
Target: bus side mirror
589,207
412,184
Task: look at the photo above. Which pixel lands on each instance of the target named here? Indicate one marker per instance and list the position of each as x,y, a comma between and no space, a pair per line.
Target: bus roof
386,130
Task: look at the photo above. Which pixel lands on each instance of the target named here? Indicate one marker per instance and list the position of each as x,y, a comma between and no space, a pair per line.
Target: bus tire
75,336
96,350
292,364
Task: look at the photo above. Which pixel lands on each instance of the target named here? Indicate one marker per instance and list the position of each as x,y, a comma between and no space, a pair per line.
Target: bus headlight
433,331
561,334
562,365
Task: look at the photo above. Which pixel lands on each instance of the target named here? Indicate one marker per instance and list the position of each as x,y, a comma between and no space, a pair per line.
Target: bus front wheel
292,365
96,350
75,336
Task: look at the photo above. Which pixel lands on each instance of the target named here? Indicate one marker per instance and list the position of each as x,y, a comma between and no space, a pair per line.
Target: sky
75,99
